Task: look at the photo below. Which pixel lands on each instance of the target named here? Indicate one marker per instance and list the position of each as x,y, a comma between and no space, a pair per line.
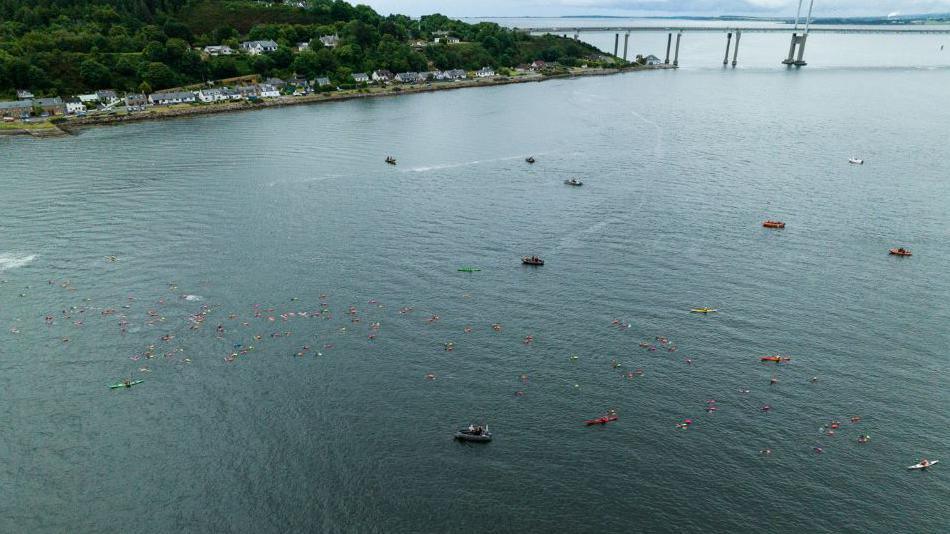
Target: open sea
289,300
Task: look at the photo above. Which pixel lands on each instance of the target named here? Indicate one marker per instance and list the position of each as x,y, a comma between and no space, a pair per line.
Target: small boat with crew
900,252
923,464
574,182
474,433
773,224
602,420
390,160
530,159
532,260
126,383
776,359
855,161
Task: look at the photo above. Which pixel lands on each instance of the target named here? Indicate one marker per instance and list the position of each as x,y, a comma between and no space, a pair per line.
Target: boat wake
12,261
192,298
465,164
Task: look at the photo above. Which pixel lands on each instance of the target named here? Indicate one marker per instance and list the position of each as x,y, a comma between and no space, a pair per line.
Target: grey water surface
250,219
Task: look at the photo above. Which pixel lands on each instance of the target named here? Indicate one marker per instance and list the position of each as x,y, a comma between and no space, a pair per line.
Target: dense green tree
159,76
95,74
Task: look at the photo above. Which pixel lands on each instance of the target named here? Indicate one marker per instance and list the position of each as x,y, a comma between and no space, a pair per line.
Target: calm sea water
247,217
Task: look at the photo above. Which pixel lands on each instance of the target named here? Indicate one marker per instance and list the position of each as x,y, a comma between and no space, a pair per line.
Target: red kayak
776,359
601,420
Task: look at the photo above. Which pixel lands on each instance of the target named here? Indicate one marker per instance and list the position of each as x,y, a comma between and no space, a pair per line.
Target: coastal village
107,105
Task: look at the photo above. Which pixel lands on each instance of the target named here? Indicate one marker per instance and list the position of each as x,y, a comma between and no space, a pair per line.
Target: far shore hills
68,124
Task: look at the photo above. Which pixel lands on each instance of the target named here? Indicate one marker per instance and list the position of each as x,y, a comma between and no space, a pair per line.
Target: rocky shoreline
73,124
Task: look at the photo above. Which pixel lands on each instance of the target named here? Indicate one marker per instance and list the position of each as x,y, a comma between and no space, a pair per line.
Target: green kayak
124,385
469,269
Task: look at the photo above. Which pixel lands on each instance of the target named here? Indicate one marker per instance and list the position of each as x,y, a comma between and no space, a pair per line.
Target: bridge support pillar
626,41
800,62
616,43
735,51
676,53
725,59
669,40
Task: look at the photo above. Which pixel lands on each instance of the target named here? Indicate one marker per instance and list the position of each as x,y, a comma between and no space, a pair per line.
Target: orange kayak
773,224
900,252
776,359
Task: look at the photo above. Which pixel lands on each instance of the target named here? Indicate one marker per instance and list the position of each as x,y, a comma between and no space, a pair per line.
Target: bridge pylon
799,42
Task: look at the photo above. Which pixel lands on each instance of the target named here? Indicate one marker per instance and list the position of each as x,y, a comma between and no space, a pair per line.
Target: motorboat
574,182
532,260
530,159
390,160
855,161
773,224
900,252
474,433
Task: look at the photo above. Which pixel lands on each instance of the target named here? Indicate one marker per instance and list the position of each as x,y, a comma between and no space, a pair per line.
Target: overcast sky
541,8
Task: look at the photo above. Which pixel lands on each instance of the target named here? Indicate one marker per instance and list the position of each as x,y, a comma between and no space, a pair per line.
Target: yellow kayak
703,310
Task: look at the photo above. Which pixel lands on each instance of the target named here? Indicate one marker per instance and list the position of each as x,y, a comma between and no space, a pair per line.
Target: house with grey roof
218,50
330,41
107,96
360,77
135,102
323,81
16,109
455,74
258,47
171,97
24,94
407,77
74,106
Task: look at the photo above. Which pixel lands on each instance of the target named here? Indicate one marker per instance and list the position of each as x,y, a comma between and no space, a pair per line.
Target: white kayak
920,466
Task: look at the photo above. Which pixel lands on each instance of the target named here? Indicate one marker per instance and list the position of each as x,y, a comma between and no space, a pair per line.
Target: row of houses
266,46
107,99
384,76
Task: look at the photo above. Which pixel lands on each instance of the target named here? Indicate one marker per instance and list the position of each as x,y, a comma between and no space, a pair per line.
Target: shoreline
72,124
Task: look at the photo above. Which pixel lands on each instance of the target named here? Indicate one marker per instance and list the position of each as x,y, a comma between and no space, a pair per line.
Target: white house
108,97
268,91
455,74
382,75
74,105
171,97
485,72
24,94
360,77
218,50
652,60
88,99
212,95
323,82
330,41
258,47
305,45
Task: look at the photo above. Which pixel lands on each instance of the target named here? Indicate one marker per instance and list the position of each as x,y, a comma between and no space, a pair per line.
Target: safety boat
474,433
923,464
390,160
855,161
532,260
530,159
900,252
773,224
574,182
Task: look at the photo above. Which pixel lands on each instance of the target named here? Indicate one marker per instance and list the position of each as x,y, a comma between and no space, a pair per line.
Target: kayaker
924,462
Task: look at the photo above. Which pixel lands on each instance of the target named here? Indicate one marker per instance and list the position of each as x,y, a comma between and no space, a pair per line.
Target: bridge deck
914,30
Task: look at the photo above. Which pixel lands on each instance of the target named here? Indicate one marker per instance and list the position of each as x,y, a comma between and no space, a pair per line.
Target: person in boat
925,462
127,382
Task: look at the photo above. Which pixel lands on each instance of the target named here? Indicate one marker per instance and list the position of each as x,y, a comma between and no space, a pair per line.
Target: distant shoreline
73,124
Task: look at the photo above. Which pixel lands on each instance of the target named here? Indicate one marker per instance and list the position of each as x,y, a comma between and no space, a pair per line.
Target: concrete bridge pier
626,41
725,59
676,53
791,50
616,43
735,51
800,61
669,40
